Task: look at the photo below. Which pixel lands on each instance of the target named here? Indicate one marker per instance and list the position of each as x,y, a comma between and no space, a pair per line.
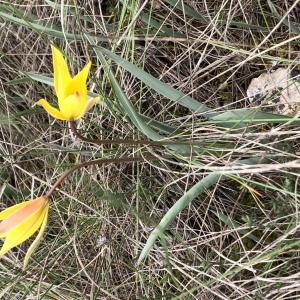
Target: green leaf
294,27
240,117
172,213
181,204
130,111
160,87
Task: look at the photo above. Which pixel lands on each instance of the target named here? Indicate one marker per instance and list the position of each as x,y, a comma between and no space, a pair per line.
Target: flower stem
125,141
90,163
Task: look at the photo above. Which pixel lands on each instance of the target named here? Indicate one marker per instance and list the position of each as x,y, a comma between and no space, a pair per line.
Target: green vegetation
214,213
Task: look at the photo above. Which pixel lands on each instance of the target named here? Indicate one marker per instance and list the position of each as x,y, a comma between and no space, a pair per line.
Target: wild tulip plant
21,221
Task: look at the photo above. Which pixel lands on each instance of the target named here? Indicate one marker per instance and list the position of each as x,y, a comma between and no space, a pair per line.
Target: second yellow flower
71,91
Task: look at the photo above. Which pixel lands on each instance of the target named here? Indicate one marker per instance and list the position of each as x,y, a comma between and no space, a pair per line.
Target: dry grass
237,240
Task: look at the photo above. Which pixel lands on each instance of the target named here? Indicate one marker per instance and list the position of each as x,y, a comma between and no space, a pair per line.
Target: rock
277,92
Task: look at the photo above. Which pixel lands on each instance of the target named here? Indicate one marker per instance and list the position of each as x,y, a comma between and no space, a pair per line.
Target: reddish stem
90,163
124,141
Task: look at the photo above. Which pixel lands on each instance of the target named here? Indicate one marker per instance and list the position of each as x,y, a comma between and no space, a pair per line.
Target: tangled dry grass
237,240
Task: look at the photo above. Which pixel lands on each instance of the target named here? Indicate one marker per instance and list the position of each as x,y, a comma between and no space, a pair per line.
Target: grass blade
130,111
295,28
241,117
180,204
160,87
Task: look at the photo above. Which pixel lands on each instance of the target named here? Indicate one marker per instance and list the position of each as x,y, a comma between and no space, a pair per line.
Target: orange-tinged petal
52,111
8,211
38,238
20,215
61,73
23,231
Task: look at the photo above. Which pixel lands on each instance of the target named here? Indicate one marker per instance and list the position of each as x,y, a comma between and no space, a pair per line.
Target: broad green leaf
172,213
241,117
157,85
130,110
181,204
229,119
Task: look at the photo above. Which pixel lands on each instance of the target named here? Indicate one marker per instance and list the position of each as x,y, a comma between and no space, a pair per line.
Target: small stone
276,90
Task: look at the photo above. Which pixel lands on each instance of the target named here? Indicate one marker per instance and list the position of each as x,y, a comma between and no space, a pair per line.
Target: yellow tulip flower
71,91
21,221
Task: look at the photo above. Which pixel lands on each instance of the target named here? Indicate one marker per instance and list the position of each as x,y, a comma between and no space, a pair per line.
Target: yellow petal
23,231
91,102
10,210
52,111
20,215
77,86
78,83
61,73
71,107
38,238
